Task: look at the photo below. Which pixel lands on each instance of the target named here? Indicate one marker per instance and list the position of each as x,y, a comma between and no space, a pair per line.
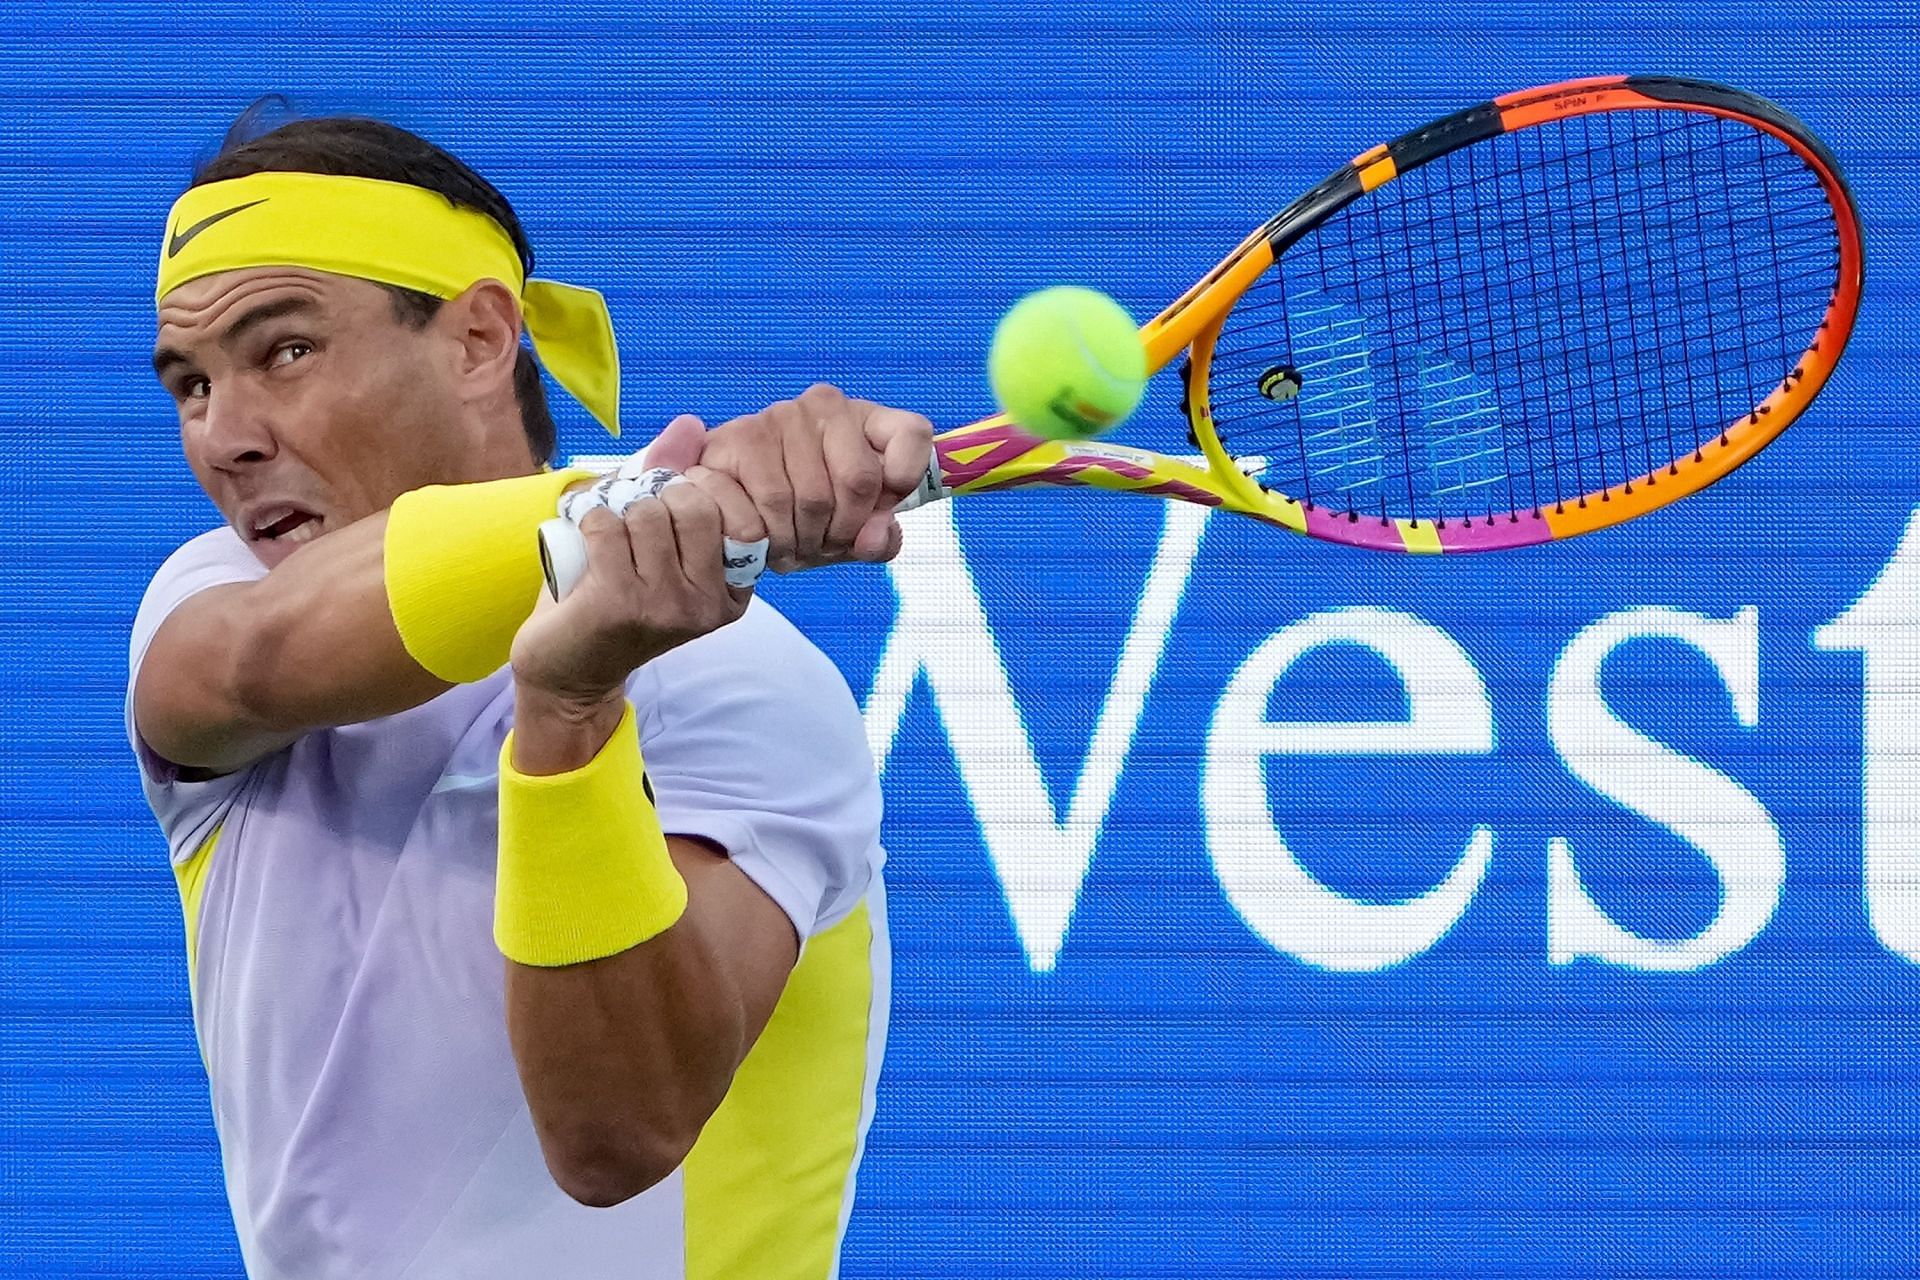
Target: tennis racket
1531,319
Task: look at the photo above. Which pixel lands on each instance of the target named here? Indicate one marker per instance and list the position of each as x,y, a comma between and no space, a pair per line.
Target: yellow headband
396,234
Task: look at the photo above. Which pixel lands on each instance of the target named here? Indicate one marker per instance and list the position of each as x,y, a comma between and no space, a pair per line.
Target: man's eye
195,388
288,352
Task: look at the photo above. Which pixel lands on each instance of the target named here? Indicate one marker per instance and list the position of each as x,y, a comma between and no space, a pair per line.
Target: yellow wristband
463,569
584,870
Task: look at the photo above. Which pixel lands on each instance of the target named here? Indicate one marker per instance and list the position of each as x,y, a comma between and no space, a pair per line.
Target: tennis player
380,769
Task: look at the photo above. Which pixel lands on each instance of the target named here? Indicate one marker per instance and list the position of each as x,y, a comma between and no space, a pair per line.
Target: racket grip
563,548
563,558
932,487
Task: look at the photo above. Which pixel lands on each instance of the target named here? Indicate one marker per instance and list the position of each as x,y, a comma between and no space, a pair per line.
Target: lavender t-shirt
348,995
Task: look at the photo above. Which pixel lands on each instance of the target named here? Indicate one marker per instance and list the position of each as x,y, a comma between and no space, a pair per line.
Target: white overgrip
563,548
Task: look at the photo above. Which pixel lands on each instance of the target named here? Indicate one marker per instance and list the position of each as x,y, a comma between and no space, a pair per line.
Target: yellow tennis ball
1066,363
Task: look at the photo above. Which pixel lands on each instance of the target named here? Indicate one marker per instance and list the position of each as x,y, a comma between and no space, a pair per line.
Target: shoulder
214,558
186,809
754,743
221,546
760,659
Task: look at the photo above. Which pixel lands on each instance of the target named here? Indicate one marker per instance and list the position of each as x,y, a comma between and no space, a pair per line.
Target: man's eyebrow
261,315
167,358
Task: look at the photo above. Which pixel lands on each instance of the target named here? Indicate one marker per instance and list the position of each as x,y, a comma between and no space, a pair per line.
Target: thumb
679,446
878,538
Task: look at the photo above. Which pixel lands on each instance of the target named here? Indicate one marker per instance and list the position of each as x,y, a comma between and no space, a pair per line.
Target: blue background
771,196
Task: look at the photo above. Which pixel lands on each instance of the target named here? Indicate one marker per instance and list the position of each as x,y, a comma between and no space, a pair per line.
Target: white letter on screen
1884,625
1698,803
1447,714
941,632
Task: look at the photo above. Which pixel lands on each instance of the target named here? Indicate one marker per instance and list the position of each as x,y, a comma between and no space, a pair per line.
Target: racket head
1528,320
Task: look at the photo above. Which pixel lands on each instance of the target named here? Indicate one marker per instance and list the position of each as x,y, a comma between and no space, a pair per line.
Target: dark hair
358,147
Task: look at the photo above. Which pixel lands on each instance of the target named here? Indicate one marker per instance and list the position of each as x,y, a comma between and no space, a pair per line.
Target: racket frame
993,454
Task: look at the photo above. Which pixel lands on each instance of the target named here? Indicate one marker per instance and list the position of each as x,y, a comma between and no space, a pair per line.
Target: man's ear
485,322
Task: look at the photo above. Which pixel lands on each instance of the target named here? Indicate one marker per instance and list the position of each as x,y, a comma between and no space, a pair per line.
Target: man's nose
236,429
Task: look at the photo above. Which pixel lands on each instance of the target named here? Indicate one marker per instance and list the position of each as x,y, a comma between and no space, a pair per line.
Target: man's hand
818,476
655,580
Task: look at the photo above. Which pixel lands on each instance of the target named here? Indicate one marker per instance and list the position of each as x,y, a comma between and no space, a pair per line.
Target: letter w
941,630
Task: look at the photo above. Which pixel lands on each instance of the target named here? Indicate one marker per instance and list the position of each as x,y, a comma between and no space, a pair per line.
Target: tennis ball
1066,363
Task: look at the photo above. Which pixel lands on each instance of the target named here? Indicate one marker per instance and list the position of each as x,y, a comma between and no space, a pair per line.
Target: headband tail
573,337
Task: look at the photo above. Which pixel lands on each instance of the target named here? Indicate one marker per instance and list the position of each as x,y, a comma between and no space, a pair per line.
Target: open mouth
291,527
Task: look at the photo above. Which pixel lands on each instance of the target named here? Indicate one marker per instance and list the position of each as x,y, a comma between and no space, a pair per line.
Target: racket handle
932,487
563,558
563,549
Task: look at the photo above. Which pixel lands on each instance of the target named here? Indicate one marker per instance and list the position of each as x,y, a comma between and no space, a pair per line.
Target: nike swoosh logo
180,239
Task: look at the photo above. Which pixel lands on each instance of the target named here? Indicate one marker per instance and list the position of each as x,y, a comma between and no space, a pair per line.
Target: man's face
305,402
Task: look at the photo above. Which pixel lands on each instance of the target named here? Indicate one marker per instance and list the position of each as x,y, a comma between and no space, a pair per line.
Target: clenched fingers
696,523
905,443
858,483
749,451
609,549
739,518
803,425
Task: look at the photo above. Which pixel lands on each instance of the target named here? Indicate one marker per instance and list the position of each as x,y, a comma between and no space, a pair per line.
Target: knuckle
686,498
863,482
724,490
746,428
718,449
814,507
647,534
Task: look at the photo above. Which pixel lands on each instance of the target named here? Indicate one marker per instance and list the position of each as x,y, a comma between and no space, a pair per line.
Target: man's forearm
367,621
624,1058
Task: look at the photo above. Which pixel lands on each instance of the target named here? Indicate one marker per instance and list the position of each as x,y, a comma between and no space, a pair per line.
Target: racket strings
1532,320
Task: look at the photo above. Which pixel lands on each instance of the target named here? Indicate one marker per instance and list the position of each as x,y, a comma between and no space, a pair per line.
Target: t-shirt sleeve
753,742
187,811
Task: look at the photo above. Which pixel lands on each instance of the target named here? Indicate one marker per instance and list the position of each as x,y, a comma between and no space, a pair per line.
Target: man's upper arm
749,935
173,658
184,699
243,663
187,803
